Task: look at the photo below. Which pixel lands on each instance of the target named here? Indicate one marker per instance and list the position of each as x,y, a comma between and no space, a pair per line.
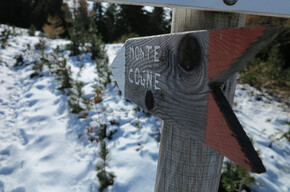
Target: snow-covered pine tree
76,97
105,178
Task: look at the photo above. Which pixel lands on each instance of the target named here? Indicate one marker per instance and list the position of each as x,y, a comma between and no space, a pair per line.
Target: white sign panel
280,8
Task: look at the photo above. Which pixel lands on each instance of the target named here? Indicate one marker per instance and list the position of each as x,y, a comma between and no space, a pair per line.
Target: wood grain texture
194,19
185,165
180,66
182,95
200,166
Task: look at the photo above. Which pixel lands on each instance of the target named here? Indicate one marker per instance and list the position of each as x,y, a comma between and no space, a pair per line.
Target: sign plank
179,77
280,8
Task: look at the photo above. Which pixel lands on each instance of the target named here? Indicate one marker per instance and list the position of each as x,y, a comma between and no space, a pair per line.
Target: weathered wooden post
182,78
185,164
188,80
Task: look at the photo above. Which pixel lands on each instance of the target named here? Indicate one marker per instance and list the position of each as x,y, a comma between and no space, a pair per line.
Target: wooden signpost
179,78
192,166
188,80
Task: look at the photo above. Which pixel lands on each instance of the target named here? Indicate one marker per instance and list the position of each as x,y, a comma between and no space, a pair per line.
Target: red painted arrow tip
225,134
226,45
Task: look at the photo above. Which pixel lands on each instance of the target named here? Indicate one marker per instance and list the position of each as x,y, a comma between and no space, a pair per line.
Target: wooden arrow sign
179,77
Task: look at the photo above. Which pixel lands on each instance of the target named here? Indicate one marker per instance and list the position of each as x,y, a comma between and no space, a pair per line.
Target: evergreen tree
133,19
98,16
77,40
54,28
42,61
271,67
67,19
84,33
158,23
104,73
16,12
111,16
105,21
65,74
76,97
97,48
235,178
40,13
118,23
4,36
25,13
82,15
105,178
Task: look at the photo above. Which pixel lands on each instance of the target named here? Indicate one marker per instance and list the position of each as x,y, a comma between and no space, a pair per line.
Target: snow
45,148
264,120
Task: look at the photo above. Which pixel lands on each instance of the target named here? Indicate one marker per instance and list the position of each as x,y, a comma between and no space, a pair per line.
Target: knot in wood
149,100
189,53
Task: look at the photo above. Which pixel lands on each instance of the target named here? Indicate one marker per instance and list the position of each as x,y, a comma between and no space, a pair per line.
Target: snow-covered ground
45,148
